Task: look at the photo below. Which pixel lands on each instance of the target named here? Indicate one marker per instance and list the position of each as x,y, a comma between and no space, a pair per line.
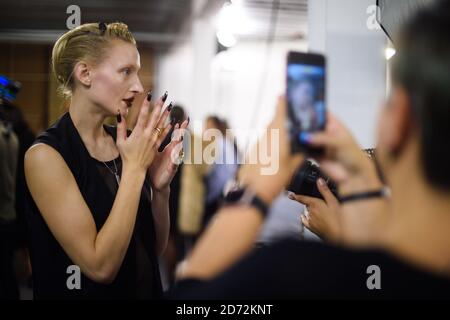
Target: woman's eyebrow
131,66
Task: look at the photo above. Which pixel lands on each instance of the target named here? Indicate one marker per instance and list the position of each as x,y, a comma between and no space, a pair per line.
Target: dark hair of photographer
421,66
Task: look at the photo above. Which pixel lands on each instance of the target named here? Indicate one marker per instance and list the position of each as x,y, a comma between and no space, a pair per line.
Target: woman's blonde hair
86,42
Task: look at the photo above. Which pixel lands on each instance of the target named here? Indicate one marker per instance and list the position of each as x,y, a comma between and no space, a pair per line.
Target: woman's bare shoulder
42,152
41,158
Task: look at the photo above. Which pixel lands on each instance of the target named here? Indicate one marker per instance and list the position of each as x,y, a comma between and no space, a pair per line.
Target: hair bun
102,27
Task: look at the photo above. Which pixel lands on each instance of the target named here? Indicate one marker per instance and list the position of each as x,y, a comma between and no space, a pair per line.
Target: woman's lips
128,102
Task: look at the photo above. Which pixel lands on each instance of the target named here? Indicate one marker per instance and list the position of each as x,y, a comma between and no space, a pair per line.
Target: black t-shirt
292,269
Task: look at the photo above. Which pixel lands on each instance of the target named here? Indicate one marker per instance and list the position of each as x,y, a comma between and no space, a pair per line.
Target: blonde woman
98,195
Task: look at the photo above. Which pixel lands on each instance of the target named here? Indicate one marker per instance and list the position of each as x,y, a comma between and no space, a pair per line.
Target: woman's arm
99,254
161,217
229,236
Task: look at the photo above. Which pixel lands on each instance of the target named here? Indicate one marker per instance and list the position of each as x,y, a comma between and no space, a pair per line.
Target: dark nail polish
149,96
164,97
170,106
119,117
189,119
305,137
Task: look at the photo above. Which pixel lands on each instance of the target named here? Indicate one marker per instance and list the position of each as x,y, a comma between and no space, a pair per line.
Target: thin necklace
115,173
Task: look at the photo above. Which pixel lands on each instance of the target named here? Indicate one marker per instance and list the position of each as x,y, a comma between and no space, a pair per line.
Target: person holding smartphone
411,257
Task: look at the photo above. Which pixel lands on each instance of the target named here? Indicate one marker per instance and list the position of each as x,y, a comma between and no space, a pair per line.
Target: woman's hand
321,216
140,148
166,162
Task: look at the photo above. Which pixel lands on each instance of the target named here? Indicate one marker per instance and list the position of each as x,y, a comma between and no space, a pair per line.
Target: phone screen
305,97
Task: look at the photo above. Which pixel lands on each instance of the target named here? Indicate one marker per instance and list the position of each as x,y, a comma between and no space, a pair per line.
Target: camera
304,181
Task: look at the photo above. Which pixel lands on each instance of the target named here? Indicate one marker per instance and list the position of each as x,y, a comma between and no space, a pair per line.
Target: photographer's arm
230,235
233,231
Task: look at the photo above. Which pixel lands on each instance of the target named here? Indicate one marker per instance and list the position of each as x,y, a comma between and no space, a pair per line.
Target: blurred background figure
224,167
16,137
192,193
9,147
12,115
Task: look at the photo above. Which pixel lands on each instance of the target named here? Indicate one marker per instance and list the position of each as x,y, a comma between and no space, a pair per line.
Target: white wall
185,71
242,84
356,63
174,74
247,80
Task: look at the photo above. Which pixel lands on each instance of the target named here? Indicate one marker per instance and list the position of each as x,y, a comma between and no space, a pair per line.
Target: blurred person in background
175,245
224,167
192,192
11,114
9,150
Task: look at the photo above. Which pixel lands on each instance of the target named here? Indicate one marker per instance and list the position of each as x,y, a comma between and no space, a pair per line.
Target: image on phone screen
305,98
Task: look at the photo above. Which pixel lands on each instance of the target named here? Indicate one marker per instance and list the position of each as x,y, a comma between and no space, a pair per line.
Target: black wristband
246,197
364,195
259,204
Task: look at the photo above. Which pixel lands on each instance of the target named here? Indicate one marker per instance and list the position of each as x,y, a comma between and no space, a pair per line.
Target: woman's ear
400,121
82,73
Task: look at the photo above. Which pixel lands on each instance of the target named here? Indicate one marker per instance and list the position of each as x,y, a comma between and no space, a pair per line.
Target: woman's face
303,94
115,81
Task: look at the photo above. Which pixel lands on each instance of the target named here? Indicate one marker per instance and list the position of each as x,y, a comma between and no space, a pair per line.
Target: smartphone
305,96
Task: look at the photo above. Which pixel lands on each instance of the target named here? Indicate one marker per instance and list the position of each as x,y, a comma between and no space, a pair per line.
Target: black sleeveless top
139,275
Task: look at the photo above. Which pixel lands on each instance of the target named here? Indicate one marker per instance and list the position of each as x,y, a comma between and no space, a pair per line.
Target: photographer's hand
321,216
362,221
